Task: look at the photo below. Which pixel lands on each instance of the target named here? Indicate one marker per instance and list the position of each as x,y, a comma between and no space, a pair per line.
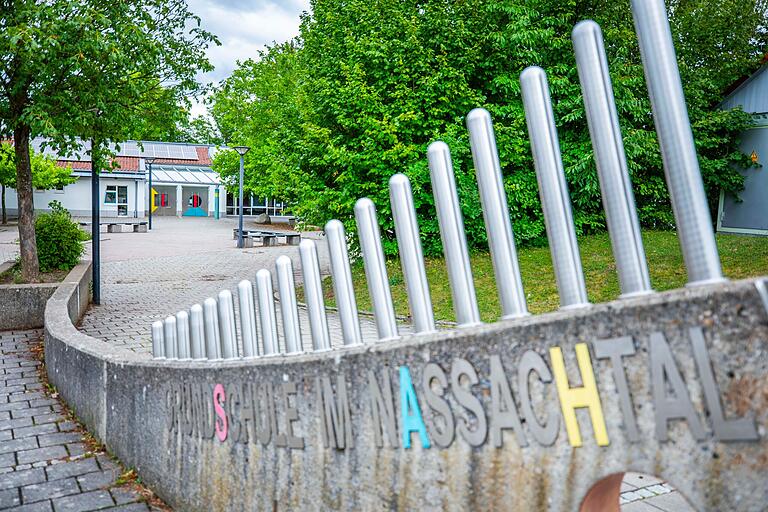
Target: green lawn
741,256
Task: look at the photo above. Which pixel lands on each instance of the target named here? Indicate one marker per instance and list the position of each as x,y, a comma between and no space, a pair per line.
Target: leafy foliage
368,85
46,175
59,239
93,70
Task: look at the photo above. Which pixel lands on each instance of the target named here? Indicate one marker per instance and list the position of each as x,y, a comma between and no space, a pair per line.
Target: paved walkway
44,462
148,276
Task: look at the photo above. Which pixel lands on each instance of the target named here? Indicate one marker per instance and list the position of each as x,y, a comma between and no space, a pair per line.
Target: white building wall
77,197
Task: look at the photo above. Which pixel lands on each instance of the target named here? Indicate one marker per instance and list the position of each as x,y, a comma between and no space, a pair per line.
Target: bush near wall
59,239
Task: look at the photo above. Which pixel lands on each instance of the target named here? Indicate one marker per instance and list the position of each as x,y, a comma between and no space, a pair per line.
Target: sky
244,27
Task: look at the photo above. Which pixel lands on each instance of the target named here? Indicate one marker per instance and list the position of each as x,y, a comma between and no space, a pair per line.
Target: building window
117,195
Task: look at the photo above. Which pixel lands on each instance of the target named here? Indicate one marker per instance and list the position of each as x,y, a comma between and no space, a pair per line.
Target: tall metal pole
375,269
95,220
553,189
493,198
452,234
343,289
411,254
611,161
290,314
678,152
240,216
313,290
151,198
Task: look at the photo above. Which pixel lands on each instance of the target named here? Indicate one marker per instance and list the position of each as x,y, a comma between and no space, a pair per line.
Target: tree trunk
2,194
30,267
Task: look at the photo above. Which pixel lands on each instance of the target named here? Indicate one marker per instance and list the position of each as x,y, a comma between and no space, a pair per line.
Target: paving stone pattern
43,460
137,292
643,493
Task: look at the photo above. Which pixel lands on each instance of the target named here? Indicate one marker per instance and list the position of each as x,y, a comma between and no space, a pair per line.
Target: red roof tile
124,164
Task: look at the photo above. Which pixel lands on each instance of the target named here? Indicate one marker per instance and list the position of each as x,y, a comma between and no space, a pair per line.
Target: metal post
158,341
616,187
227,325
290,314
212,331
149,161
240,213
183,349
493,199
553,189
216,200
169,335
247,319
197,331
678,152
267,317
375,269
313,290
343,289
452,234
95,223
411,255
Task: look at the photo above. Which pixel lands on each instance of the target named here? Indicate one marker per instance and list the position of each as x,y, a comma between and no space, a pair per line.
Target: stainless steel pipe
247,319
169,336
343,289
197,331
313,291
227,325
411,254
553,189
286,287
183,350
158,340
611,161
267,317
452,234
678,152
375,269
212,331
493,199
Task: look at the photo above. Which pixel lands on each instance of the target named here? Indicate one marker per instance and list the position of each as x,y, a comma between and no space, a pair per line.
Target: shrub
59,239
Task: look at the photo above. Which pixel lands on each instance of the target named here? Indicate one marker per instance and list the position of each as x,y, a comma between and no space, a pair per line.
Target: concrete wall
22,306
326,431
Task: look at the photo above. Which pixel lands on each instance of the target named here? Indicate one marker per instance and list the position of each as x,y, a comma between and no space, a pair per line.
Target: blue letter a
412,422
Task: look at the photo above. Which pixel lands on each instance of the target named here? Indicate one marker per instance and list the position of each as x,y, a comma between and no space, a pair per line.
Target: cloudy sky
244,27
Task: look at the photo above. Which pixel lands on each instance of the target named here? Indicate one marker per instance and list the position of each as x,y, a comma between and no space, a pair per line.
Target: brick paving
44,463
150,286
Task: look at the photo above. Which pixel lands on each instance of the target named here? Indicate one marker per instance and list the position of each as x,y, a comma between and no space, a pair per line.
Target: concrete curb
22,306
165,418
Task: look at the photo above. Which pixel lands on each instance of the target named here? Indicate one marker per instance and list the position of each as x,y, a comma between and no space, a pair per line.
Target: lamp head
241,150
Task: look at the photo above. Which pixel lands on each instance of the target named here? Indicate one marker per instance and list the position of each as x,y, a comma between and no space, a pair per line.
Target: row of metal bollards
209,332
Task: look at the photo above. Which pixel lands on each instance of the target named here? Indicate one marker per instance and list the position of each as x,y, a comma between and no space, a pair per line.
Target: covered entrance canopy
192,190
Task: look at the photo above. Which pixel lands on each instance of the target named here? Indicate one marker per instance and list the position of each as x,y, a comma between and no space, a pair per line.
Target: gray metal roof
752,95
179,174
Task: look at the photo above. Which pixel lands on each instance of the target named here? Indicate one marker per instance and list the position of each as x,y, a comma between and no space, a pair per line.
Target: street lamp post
149,161
95,222
241,150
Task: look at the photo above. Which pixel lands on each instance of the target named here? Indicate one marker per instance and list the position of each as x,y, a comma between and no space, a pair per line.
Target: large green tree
87,69
46,174
369,84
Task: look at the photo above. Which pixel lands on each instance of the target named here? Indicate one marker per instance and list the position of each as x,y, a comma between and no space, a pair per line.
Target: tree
369,84
92,70
46,174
